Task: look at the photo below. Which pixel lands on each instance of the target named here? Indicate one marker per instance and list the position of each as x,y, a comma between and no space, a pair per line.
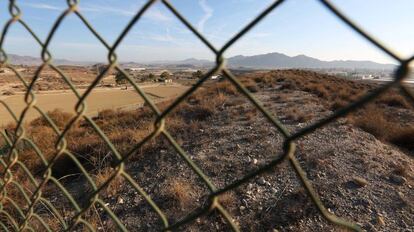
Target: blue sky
297,27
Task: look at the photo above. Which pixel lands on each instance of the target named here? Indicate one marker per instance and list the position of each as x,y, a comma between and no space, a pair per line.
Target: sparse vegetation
177,193
337,93
120,79
197,74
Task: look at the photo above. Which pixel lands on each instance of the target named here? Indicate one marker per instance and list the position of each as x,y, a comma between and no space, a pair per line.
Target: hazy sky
296,27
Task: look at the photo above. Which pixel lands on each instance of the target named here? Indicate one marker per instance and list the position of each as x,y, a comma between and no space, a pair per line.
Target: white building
135,69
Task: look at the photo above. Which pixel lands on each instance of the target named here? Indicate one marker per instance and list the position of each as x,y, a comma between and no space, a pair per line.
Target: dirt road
98,100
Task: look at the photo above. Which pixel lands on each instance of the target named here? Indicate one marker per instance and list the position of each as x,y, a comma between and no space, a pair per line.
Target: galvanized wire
27,215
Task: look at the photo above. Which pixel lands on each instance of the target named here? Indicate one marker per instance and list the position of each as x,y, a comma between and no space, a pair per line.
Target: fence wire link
27,214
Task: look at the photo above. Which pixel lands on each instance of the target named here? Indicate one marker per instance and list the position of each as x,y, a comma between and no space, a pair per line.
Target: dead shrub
250,114
181,192
403,137
373,121
225,87
338,104
296,115
228,200
394,100
103,176
250,85
58,117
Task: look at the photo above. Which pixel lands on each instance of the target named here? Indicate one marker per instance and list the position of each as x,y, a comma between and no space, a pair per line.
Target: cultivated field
99,99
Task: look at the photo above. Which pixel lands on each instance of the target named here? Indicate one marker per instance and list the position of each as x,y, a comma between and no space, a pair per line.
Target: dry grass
127,128
228,200
336,93
181,193
375,121
123,128
297,115
103,176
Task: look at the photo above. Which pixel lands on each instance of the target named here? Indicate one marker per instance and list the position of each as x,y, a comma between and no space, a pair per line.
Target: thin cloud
106,10
42,6
157,15
152,14
208,12
160,37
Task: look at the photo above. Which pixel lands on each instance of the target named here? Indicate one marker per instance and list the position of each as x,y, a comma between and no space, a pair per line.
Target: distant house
135,69
5,70
168,81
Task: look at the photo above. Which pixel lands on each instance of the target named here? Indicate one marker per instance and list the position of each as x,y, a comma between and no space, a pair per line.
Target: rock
380,220
360,182
397,179
261,181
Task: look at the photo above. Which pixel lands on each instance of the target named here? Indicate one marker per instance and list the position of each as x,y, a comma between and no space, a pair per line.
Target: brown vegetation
337,93
125,129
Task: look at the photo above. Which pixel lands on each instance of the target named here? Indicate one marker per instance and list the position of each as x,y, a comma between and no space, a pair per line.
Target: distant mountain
264,61
279,60
189,61
30,60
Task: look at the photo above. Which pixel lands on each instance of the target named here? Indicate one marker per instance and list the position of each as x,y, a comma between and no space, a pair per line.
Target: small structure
5,71
135,69
168,81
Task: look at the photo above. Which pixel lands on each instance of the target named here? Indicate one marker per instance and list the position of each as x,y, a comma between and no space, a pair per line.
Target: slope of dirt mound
357,176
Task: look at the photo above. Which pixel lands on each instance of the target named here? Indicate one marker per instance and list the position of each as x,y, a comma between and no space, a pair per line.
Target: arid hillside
361,165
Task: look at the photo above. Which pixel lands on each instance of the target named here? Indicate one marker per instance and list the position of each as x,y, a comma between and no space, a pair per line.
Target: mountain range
279,60
263,61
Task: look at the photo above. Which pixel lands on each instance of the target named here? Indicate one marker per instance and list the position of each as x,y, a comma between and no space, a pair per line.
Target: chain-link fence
26,211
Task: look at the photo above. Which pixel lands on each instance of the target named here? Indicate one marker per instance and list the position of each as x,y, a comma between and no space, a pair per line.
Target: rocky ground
357,176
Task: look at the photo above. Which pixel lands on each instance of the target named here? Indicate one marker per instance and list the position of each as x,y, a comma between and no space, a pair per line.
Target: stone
360,182
380,220
397,179
261,181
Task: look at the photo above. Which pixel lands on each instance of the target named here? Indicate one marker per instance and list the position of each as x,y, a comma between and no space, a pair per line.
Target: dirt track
98,100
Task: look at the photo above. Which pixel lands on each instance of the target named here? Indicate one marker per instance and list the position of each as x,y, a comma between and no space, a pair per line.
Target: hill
263,61
31,61
278,60
360,165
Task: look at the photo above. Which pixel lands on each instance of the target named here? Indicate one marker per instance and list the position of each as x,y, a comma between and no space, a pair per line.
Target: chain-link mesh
28,214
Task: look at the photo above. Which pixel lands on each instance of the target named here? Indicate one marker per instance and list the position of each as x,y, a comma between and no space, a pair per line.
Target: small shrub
372,120
338,104
403,137
181,192
60,118
394,100
8,93
250,84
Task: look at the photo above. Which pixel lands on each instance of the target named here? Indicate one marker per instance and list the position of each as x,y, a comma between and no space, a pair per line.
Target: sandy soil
98,100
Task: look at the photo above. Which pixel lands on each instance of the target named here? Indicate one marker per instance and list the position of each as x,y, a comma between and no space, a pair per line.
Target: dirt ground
98,100
358,176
